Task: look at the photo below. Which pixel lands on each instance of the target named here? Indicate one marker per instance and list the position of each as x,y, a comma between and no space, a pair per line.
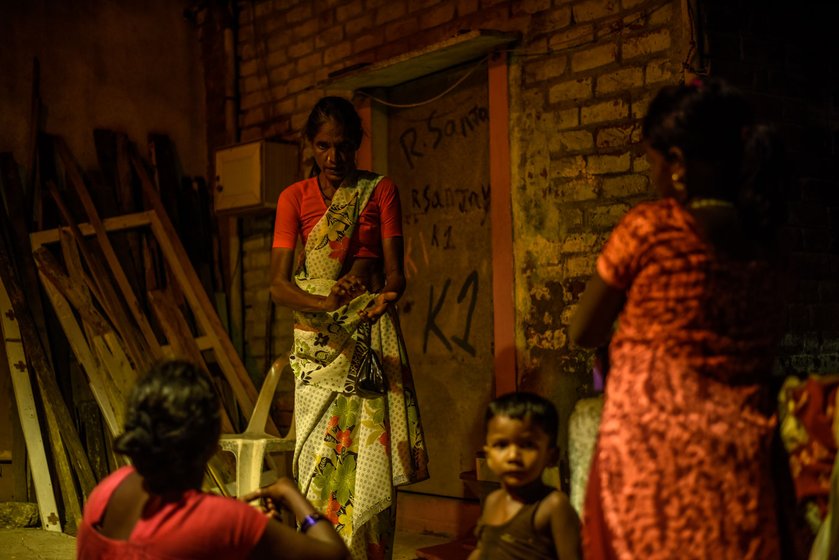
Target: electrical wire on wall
614,28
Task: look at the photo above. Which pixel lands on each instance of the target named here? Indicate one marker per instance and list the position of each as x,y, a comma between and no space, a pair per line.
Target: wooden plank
35,127
117,223
100,385
63,436
74,292
20,468
172,321
208,321
16,211
174,326
28,414
107,248
119,367
104,290
203,310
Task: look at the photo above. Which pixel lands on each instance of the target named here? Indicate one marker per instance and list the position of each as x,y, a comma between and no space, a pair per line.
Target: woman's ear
676,160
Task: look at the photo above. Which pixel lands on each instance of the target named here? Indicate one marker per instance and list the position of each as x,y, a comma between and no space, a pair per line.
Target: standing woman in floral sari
353,446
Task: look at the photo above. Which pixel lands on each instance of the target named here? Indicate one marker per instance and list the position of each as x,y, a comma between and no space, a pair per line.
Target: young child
524,519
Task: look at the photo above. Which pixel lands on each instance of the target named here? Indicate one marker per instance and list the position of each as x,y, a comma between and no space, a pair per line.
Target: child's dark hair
340,111
526,406
172,425
713,123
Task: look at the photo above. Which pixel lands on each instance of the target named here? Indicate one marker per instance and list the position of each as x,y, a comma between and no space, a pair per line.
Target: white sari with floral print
351,451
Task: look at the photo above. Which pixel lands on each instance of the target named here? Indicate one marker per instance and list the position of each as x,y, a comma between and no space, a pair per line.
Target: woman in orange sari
682,465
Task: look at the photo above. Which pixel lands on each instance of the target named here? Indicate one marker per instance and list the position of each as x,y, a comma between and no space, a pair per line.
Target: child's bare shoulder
556,504
493,498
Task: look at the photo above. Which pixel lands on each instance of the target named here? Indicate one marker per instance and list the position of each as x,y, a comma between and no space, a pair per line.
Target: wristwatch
310,520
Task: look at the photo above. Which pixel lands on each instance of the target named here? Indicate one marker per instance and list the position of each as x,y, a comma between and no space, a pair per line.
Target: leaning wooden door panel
438,154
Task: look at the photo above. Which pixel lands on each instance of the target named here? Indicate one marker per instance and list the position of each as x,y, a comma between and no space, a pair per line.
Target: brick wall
579,81
577,167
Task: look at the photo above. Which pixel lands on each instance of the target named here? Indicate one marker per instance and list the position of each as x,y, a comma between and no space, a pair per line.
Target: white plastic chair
250,447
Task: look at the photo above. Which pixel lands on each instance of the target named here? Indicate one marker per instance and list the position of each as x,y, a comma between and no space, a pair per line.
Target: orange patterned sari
682,466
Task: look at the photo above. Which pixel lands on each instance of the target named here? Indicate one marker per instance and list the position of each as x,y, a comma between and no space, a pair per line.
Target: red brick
542,69
440,14
301,48
253,99
359,25
570,90
619,80
662,15
659,71
593,57
575,140
278,42
601,164
295,85
309,63
307,28
281,73
466,7
400,29
326,19
646,44
607,111
250,134
366,42
625,186
337,53
576,190
251,83
390,12
605,217
300,12
348,11
566,167
263,8
618,136
594,9
551,21
530,6
329,36
572,37
247,68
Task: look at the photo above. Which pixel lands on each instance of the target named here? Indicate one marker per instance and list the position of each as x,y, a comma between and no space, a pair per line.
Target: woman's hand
378,306
343,291
281,493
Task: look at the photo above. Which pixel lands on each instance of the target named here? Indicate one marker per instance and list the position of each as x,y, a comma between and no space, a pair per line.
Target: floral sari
351,451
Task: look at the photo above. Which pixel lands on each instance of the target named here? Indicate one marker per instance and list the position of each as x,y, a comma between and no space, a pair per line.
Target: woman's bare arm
286,293
320,542
394,268
599,306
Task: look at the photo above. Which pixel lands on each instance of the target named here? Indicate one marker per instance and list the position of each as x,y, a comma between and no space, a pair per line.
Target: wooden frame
503,282
212,334
25,400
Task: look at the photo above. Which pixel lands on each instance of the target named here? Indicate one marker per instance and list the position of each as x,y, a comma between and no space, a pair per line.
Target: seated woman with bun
156,509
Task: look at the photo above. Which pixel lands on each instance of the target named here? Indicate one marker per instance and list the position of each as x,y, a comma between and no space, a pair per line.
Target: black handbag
366,366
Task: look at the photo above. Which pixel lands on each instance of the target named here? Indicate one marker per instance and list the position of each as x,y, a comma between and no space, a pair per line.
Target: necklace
710,203
326,199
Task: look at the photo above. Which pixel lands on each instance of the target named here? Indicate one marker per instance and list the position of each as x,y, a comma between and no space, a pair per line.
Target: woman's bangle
310,520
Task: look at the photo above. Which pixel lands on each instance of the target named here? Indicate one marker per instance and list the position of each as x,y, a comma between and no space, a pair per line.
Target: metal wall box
250,177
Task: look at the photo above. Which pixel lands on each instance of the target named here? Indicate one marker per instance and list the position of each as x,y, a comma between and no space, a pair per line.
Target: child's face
517,450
